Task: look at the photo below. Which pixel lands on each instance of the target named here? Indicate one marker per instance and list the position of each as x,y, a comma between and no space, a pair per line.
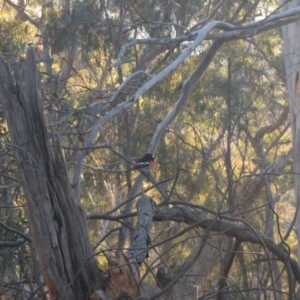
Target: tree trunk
57,223
291,46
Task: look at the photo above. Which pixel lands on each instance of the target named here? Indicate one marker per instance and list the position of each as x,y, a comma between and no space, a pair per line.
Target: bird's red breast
152,163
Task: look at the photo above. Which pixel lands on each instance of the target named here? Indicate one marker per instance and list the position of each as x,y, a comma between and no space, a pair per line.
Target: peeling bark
138,249
57,222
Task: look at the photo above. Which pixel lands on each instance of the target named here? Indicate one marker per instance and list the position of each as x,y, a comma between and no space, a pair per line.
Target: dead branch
240,232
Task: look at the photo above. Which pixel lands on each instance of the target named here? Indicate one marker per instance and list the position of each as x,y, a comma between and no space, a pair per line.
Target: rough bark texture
124,269
121,280
138,249
57,223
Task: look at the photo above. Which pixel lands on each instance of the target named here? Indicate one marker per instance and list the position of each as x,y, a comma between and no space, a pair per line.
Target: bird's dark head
149,157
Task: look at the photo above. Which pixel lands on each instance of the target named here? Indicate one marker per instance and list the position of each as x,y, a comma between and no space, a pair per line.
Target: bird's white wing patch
142,165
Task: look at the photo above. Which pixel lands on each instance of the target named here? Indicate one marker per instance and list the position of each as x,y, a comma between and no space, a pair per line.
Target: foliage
211,152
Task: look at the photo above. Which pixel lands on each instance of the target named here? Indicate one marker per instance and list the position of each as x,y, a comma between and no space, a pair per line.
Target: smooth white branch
232,31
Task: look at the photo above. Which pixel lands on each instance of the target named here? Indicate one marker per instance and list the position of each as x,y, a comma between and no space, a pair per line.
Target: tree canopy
89,87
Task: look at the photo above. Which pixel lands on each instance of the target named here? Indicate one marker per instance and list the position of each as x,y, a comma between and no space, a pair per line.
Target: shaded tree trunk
291,49
57,222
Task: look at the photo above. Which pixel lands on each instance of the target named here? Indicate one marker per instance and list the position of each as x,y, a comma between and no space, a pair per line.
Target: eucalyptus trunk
57,222
292,65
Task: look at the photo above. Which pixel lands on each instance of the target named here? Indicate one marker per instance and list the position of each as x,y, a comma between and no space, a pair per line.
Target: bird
146,163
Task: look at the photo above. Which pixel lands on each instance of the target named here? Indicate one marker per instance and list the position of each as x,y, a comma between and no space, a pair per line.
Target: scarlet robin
146,163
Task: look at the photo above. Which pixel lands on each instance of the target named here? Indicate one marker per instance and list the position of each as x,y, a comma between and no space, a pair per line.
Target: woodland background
217,102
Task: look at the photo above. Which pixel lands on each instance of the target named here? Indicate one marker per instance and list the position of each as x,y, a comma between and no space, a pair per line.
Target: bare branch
23,235
231,31
254,28
240,232
16,243
199,37
21,12
187,87
270,128
9,186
